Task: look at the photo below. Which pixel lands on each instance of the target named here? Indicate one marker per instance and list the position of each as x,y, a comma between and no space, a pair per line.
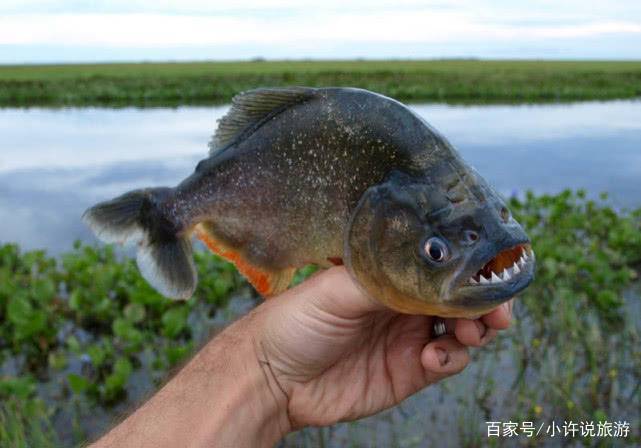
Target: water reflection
55,163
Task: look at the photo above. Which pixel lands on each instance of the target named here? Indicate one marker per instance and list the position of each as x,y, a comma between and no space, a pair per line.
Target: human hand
336,355
317,354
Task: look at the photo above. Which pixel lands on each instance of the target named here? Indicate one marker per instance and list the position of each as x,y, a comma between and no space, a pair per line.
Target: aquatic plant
86,329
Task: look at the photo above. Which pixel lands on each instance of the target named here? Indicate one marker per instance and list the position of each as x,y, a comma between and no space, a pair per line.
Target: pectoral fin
267,282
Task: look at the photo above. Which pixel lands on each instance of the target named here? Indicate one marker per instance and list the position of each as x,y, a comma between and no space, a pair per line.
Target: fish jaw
500,277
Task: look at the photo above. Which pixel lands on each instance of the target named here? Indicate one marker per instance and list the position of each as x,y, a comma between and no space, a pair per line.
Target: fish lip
481,295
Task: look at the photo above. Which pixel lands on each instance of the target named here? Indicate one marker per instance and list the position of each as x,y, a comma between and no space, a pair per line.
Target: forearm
222,397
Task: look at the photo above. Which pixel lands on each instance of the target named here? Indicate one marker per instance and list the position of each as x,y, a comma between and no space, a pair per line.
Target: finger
500,317
489,336
471,332
450,325
443,357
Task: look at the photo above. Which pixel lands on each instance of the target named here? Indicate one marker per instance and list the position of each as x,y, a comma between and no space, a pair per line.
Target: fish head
438,247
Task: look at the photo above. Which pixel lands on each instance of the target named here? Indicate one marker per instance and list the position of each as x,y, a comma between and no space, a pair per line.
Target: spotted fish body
298,176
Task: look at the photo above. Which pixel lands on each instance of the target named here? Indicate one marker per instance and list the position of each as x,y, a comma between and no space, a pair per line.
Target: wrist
273,398
252,409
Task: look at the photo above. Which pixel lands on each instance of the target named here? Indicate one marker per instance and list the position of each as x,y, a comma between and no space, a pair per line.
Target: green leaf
75,300
26,320
174,321
73,344
43,290
57,360
19,310
97,354
123,367
78,384
177,354
18,387
124,330
115,383
134,312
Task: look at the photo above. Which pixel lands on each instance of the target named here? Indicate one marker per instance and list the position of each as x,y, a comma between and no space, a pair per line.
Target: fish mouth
507,273
506,266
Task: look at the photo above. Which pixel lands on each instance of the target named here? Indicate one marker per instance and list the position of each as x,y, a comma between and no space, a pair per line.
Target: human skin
318,354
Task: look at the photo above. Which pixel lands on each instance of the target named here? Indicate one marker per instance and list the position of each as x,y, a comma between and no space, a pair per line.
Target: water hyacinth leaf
97,354
27,321
75,300
125,330
19,310
18,387
43,290
174,321
134,312
78,384
176,354
57,360
115,383
123,368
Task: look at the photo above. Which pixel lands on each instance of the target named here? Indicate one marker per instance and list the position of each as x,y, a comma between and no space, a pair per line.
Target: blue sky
34,31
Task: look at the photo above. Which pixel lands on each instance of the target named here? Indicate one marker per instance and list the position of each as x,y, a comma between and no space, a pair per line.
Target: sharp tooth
472,281
506,275
521,261
483,280
495,278
525,257
515,269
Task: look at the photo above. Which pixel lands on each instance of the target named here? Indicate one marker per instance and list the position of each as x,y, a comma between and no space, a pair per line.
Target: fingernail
482,329
442,355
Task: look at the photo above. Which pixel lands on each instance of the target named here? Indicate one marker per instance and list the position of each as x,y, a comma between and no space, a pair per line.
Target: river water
54,163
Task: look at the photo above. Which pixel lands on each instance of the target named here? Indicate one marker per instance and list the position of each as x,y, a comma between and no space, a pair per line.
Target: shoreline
215,83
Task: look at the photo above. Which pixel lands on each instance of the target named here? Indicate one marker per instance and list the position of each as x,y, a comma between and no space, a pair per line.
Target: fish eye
470,236
436,249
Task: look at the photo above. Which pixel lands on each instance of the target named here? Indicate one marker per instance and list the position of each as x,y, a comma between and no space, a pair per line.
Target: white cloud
166,30
307,28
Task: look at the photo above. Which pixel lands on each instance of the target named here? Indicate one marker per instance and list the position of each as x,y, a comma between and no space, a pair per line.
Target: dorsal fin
251,107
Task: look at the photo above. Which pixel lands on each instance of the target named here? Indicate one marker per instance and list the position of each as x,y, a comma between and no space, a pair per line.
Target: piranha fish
326,176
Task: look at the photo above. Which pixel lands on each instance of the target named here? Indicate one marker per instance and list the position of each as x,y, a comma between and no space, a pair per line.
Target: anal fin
267,282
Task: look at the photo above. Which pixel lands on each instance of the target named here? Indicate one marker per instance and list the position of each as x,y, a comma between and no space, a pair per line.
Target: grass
86,328
172,84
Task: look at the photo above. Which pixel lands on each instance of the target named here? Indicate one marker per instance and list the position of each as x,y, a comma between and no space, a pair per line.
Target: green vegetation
171,84
85,327
90,304
24,420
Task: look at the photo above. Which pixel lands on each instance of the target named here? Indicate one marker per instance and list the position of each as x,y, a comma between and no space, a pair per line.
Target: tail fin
164,258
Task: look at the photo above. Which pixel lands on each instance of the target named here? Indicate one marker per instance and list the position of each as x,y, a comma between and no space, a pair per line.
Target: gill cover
382,249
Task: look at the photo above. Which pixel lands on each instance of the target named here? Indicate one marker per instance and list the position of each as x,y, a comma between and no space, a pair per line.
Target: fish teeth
483,280
522,261
495,278
506,275
515,269
474,282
